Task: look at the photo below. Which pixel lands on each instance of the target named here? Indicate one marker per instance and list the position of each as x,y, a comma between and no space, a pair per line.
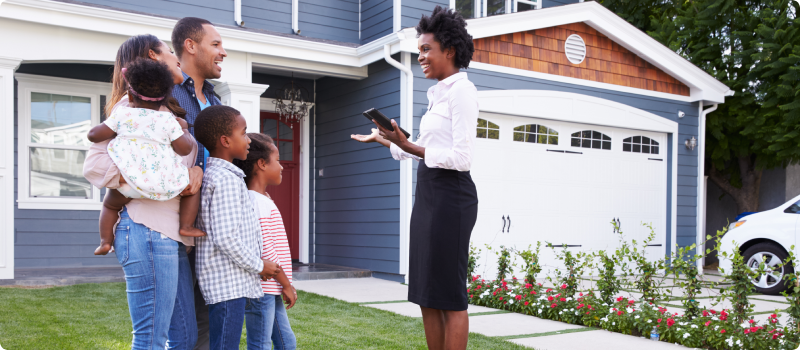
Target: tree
752,46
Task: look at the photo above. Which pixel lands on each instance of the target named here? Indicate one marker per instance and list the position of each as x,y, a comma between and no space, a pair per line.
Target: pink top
159,216
274,244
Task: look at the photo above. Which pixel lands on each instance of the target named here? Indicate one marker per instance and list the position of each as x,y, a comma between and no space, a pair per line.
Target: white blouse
448,129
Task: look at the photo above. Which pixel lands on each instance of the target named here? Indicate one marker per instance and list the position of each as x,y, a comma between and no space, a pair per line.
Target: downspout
407,123
237,13
701,203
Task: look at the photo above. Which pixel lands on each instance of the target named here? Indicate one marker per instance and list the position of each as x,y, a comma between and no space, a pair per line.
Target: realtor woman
446,204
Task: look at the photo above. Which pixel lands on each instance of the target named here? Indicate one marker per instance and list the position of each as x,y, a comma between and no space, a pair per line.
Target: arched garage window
535,133
488,130
640,144
591,139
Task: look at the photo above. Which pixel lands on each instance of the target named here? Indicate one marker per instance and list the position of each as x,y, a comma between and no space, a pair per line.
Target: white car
766,236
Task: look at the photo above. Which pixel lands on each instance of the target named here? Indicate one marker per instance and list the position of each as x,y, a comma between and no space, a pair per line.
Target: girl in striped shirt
266,319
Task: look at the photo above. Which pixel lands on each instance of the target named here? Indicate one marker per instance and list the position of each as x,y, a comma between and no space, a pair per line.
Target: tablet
376,115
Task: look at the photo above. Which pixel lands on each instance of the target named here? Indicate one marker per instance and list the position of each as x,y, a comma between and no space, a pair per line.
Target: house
583,119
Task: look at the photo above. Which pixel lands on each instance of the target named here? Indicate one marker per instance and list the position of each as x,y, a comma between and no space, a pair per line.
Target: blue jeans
225,324
268,324
158,284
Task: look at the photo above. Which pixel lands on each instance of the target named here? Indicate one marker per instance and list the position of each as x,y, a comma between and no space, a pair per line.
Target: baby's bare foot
191,231
103,249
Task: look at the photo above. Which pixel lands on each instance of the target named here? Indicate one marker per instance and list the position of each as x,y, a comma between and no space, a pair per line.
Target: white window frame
537,4
28,84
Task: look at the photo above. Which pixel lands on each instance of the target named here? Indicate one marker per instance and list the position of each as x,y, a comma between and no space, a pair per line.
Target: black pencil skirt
445,210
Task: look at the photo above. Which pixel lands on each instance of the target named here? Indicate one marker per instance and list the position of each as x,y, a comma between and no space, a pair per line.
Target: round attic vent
575,49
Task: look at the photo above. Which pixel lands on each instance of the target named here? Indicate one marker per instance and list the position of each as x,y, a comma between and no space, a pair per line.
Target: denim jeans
157,278
225,320
268,324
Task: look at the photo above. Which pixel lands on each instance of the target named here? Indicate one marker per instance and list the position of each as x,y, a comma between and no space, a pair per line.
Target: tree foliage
752,46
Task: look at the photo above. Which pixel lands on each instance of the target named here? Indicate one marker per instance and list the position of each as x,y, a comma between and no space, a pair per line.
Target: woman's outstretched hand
366,138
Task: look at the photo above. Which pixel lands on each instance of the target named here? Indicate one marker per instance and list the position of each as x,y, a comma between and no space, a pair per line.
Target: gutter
701,192
406,175
237,13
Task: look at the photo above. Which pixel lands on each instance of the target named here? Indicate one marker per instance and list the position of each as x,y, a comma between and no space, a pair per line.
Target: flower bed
712,330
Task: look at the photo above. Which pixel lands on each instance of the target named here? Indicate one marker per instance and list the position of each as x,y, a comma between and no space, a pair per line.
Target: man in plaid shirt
229,257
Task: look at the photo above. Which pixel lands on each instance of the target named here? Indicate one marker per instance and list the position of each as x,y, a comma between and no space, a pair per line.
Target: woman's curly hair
450,29
259,149
149,78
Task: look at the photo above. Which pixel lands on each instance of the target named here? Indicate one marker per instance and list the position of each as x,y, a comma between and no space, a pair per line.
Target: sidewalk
525,330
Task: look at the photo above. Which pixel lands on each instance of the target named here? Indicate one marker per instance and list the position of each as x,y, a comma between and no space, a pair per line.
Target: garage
564,182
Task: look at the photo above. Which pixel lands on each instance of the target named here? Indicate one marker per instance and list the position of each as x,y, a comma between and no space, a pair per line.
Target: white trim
484,10
237,13
7,67
575,81
295,16
584,109
406,166
397,15
37,83
245,98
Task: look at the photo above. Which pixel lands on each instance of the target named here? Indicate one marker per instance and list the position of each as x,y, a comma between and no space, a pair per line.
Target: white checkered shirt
229,257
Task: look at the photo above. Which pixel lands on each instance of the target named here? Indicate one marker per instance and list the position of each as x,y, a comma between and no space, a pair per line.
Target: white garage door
563,183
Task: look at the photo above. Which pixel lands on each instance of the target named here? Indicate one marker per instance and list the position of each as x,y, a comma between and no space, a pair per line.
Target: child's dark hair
212,123
149,78
450,29
259,149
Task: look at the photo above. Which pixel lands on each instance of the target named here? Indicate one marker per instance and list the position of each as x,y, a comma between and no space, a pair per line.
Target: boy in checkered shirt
229,265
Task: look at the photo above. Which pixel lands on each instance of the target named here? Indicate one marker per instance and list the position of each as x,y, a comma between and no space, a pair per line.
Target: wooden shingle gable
606,61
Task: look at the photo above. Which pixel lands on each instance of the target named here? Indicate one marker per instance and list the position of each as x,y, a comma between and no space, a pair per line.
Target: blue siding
329,19
356,201
376,19
414,9
273,15
216,11
64,238
688,127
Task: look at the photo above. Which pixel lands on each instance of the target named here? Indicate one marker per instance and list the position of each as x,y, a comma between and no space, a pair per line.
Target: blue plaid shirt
184,93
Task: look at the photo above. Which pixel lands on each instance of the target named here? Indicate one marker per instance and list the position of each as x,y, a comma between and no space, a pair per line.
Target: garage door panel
565,198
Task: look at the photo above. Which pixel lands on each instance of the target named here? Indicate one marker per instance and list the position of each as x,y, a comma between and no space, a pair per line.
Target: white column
7,67
246,98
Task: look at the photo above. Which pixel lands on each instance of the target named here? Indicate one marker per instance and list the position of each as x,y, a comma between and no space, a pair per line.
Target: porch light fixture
691,143
290,103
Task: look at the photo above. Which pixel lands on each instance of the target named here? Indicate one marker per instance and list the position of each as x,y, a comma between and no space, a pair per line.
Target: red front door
287,194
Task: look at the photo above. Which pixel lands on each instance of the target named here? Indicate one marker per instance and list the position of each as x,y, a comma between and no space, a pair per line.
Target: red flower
659,321
528,285
705,313
553,306
548,290
722,331
630,302
746,330
470,296
774,336
519,297
579,306
501,298
752,321
563,299
494,293
620,299
533,292
564,286
670,322
713,312
723,317
539,284
708,323
753,329
619,313
526,303
774,320
581,294
587,312
773,316
467,290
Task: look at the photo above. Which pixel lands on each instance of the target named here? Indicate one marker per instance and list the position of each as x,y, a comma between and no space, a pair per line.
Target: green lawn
95,316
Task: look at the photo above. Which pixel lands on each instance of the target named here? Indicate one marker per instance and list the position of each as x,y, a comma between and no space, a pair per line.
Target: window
55,115
495,7
527,5
793,209
467,8
640,144
534,133
488,130
591,139
283,135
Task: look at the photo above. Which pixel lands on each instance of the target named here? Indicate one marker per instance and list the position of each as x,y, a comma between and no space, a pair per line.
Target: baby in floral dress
147,147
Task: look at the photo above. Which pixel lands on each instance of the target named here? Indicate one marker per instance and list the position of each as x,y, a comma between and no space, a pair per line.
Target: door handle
504,224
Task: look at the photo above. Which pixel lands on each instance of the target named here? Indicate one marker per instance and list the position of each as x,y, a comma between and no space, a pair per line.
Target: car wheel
772,255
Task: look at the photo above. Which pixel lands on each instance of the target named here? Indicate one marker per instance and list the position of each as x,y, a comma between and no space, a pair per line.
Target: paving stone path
529,331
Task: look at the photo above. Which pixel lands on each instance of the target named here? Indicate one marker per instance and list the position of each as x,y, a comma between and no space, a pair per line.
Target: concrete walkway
525,330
